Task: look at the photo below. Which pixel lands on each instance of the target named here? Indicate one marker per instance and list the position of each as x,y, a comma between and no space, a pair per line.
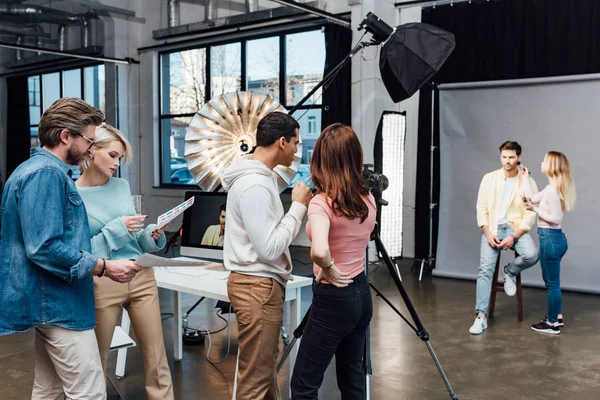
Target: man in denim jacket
46,263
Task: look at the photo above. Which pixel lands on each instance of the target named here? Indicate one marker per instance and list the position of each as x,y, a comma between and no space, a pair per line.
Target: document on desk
190,271
150,260
174,213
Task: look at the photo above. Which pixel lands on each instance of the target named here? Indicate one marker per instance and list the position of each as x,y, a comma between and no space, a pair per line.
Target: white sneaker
510,284
479,326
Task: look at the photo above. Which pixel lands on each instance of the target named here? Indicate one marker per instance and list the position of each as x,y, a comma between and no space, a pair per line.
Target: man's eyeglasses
90,141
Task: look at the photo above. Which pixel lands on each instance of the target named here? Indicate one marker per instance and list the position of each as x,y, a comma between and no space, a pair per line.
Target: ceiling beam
315,11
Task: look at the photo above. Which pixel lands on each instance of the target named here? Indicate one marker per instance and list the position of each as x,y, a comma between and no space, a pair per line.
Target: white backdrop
542,115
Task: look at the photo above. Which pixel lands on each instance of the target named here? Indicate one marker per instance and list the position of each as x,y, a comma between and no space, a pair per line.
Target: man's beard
74,157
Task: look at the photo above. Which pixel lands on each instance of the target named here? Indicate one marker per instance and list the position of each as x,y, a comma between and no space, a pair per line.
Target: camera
376,182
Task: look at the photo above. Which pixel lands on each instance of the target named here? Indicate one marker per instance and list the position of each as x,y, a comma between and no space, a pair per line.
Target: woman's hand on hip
334,276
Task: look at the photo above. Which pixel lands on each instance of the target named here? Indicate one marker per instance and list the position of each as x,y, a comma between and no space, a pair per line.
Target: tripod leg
441,371
367,364
421,272
398,271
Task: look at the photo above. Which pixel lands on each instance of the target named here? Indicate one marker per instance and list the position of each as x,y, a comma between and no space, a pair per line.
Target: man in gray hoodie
256,251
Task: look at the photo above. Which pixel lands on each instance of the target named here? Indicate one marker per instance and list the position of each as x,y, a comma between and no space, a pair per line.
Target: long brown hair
336,169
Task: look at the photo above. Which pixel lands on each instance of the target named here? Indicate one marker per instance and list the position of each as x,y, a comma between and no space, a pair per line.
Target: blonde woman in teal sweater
118,233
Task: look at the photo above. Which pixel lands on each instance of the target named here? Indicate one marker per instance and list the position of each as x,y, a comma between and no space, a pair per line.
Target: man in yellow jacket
215,234
505,224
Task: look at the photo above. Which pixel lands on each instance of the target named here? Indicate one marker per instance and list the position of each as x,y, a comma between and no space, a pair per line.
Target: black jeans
337,324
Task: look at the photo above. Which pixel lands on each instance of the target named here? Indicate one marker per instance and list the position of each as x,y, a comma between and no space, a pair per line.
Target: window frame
281,35
60,72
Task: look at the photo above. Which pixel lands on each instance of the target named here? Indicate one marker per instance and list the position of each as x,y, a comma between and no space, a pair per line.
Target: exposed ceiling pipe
14,9
69,54
39,14
40,44
173,13
86,31
62,37
38,39
18,51
251,5
210,10
24,30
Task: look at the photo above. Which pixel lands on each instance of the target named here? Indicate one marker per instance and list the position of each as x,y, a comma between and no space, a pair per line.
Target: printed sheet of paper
190,271
174,213
150,260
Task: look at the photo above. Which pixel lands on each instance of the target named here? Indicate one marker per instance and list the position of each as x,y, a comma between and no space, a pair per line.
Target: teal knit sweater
105,206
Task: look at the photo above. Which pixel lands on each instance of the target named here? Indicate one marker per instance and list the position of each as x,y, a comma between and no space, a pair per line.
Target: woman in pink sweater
341,218
552,202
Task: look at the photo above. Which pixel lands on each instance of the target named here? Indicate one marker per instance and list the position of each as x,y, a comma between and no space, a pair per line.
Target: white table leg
177,331
295,320
122,353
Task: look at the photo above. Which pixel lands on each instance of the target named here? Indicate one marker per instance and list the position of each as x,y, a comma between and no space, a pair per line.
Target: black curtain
337,105
495,40
17,124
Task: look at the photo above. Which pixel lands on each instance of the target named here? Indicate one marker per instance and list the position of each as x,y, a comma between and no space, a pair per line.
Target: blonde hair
69,113
558,170
106,134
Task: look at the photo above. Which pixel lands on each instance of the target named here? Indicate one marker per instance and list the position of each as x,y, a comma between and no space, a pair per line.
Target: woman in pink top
341,218
552,202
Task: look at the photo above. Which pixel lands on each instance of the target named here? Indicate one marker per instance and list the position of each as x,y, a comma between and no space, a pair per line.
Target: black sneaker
560,321
545,327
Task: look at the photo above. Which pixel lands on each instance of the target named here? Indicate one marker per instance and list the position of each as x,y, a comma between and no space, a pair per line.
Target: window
312,125
45,89
285,67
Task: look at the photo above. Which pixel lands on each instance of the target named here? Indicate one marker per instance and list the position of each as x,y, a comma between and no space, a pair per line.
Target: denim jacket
45,259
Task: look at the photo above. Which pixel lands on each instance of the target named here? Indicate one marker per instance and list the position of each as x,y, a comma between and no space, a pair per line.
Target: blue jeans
553,246
528,256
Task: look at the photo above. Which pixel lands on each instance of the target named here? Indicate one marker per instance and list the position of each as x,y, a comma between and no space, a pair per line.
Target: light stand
430,260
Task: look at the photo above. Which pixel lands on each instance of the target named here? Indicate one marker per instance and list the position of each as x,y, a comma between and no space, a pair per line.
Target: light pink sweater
549,211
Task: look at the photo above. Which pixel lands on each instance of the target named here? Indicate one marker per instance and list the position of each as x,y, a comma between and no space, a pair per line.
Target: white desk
213,285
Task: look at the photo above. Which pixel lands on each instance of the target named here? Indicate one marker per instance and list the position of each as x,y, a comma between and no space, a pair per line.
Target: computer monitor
202,230
203,225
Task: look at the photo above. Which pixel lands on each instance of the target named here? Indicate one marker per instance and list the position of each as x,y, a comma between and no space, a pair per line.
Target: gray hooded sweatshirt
258,232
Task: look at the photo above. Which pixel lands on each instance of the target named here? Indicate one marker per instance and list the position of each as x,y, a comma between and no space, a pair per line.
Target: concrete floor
508,361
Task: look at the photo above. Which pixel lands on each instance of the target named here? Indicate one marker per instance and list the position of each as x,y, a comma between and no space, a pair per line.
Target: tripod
418,327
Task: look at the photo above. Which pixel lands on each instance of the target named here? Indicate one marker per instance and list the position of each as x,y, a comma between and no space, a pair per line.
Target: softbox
411,56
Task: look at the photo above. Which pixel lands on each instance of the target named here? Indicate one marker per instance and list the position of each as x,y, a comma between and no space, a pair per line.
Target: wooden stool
499,287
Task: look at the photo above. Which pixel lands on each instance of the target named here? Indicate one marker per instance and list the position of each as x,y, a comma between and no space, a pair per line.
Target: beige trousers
67,365
258,304
140,298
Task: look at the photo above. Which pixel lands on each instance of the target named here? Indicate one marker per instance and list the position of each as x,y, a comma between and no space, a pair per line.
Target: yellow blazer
489,198
211,236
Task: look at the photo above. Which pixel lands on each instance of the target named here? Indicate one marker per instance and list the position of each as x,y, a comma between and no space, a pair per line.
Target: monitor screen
204,223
